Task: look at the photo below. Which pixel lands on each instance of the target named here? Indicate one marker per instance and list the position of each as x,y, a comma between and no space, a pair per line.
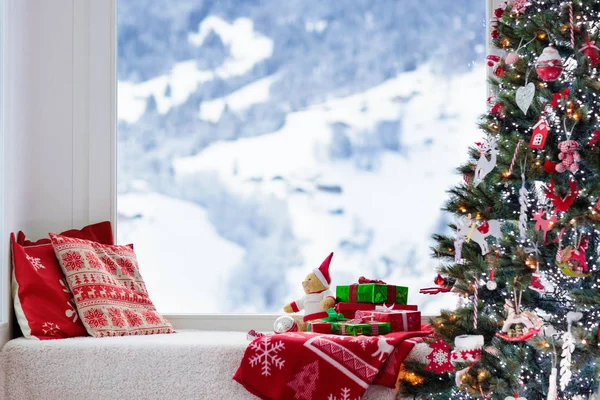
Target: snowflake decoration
363,340
344,393
439,358
266,354
35,262
50,328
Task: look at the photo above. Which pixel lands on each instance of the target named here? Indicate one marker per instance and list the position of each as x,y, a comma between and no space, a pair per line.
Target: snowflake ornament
344,395
267,354
439,358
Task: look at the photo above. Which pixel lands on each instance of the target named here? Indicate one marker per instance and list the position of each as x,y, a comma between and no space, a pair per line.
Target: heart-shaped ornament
524,96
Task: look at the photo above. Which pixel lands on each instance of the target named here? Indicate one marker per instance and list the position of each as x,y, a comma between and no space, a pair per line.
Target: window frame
5,265
103,113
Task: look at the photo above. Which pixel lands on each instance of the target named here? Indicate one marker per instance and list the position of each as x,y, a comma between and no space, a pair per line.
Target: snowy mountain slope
378,221
239,101
246,49
181,256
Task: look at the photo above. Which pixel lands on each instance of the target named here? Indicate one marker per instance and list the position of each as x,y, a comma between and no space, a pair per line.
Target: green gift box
373,293
373,328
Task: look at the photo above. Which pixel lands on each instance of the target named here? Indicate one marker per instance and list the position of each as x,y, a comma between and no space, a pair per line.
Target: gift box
350,328
373,293
371,328
400,320
319,327
348,310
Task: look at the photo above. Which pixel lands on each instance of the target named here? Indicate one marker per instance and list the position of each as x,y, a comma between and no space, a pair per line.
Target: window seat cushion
186,365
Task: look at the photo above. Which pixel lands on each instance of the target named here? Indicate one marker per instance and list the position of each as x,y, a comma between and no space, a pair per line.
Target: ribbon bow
332,316
385,309
363,280
361,318
558,96
589,45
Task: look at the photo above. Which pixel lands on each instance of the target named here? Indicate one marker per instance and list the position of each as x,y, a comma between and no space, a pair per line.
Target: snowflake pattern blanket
313,366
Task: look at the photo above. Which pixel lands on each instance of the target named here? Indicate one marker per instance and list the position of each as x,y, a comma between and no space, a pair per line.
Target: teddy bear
317,299
569,157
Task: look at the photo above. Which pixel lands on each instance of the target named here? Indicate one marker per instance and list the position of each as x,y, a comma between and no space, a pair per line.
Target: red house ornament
539,135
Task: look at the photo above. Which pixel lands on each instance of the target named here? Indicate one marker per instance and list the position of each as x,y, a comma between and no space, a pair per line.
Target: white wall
52,181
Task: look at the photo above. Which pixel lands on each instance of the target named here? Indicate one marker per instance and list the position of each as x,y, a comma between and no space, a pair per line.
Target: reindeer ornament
485,166
467,229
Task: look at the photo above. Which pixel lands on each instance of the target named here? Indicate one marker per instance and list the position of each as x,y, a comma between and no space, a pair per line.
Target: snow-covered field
375,209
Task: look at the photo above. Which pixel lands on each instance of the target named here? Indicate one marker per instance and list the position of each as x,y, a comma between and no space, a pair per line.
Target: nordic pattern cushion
109,291
43,303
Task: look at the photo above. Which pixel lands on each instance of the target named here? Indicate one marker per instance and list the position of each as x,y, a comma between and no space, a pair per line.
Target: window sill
232,322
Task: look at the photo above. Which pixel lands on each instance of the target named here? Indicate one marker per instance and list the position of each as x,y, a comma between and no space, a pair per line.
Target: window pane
257,136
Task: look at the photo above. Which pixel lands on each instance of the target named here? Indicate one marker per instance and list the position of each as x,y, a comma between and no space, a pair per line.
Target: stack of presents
369,308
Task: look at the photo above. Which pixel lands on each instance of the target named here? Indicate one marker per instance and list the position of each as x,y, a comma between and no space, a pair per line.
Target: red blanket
312,366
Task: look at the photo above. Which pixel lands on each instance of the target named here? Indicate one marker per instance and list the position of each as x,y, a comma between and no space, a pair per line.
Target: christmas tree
523,253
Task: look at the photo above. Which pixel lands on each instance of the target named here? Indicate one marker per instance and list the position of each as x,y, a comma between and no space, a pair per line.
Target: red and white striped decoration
514,159
572,25
475,303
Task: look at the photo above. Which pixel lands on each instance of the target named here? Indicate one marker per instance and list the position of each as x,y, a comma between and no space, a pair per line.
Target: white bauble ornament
524,96
549,65
491,285
284,324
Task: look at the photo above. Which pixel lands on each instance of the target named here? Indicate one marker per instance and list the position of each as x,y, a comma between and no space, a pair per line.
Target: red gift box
400,320
348,310
319,327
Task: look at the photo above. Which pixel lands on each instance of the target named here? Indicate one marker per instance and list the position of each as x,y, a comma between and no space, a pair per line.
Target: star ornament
439,358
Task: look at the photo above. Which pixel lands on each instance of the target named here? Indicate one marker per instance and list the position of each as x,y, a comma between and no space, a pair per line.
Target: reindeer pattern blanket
312,366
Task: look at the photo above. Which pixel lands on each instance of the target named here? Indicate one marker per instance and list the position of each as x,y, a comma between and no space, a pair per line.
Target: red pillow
43,302
109,291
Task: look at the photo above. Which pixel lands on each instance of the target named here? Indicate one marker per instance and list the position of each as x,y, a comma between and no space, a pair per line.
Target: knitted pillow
109,291
43,303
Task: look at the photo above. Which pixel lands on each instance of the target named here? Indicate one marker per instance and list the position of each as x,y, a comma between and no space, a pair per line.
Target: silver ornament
284,324
491,285
524,96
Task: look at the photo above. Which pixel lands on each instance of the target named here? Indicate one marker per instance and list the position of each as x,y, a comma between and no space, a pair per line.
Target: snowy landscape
256,137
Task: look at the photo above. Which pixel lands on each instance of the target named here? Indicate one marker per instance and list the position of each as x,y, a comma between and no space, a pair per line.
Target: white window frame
5,261
100,101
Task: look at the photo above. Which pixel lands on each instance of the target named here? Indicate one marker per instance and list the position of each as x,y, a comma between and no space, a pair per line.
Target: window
256,137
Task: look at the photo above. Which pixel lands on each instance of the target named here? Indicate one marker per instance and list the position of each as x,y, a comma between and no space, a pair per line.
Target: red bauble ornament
439,358
549,167
549,64
539,135
495,34
439,280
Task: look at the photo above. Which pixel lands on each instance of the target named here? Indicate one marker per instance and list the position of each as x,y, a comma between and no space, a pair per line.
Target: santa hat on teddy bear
322,273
